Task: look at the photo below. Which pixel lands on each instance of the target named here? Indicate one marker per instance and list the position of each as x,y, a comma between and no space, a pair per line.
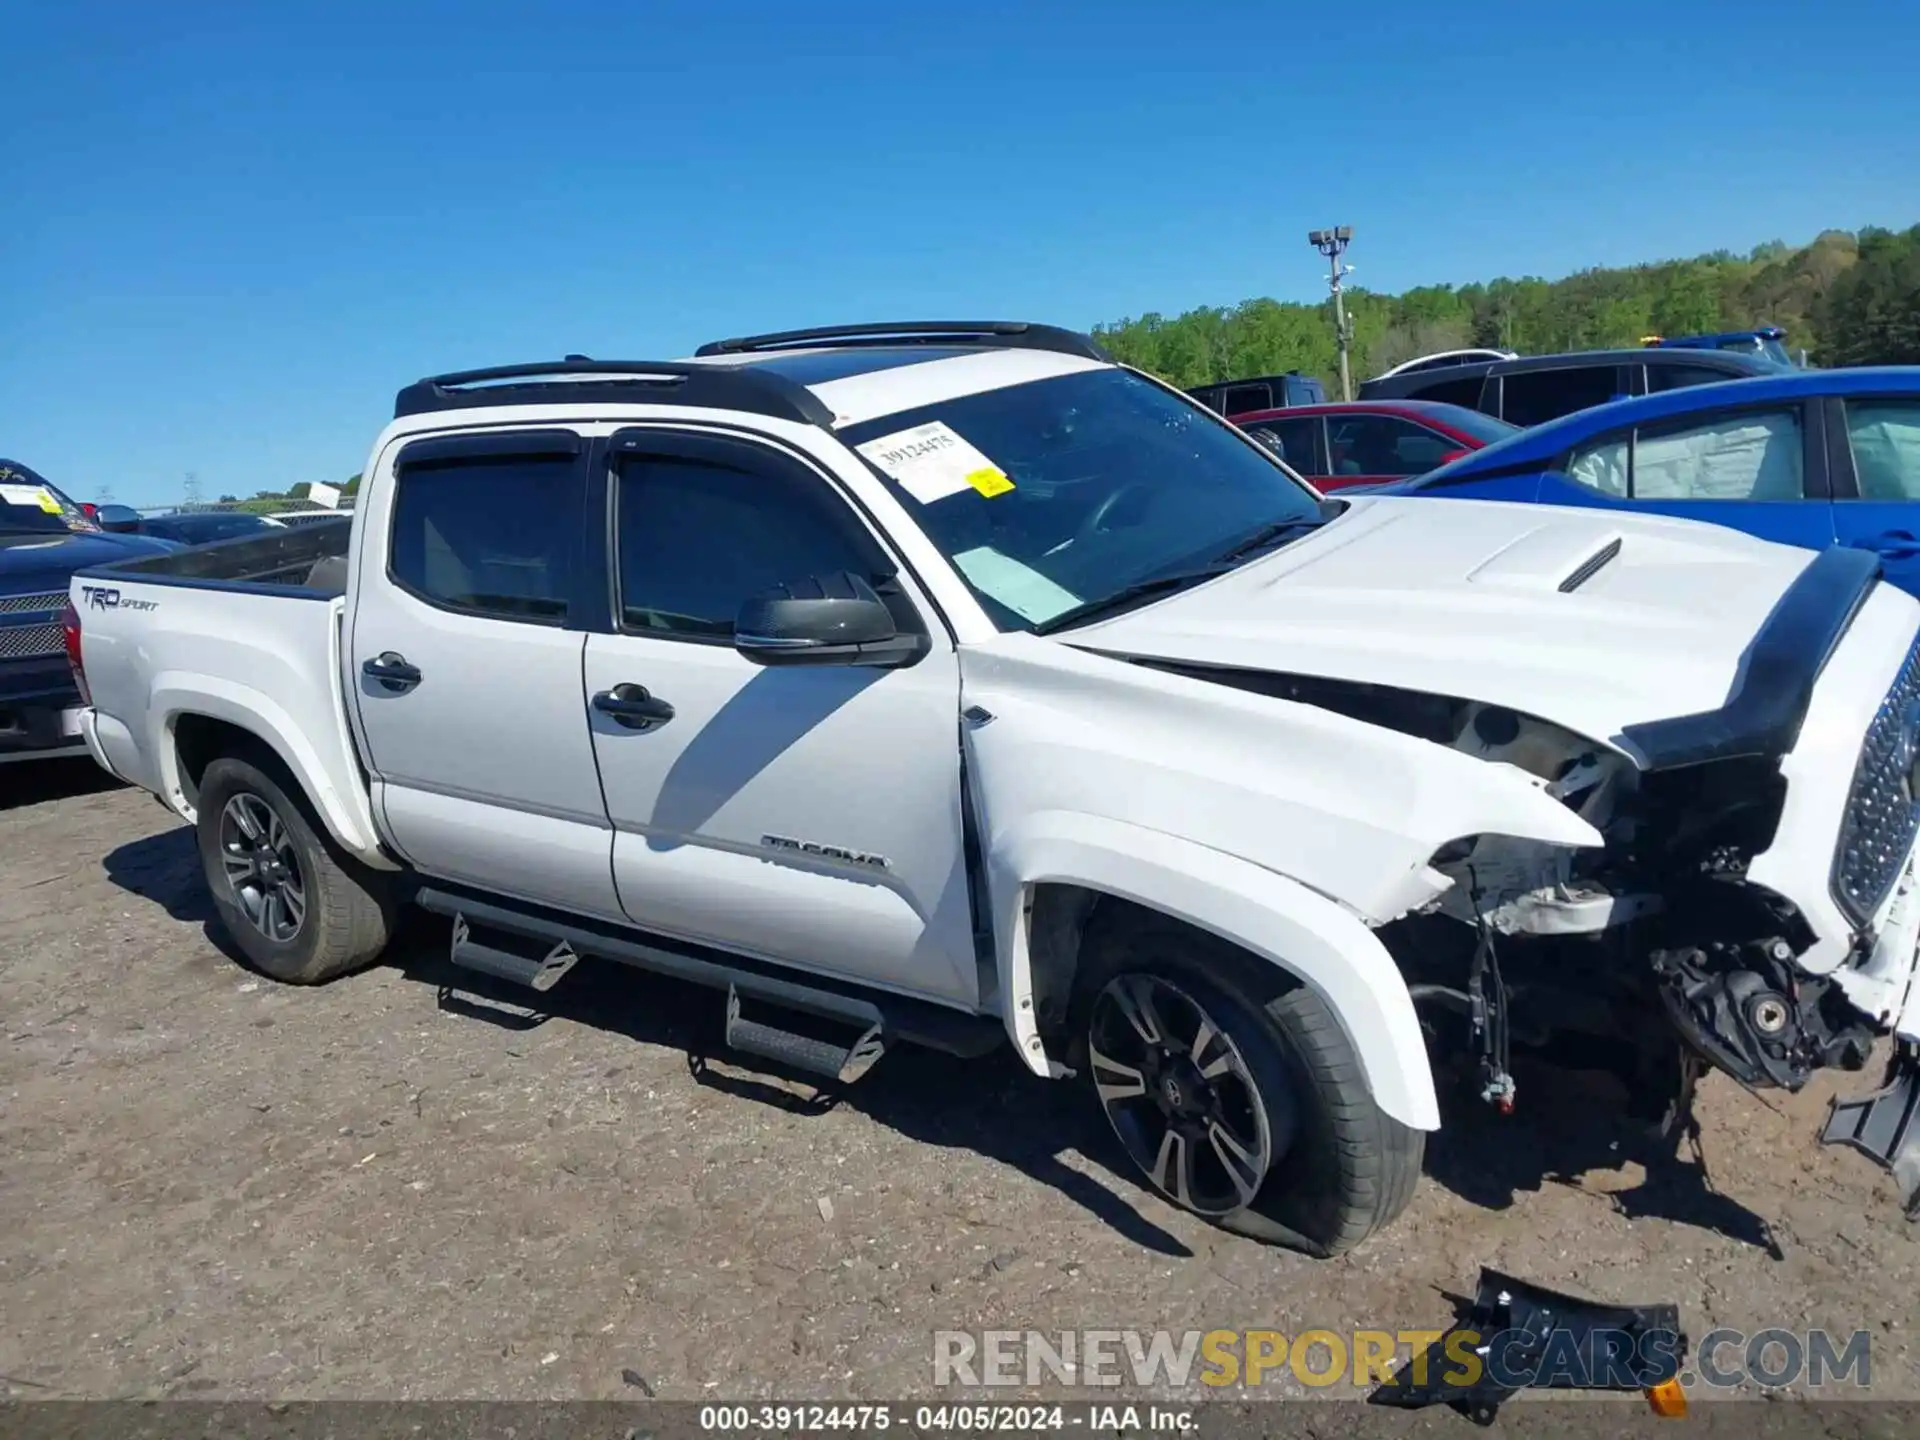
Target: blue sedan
1809,457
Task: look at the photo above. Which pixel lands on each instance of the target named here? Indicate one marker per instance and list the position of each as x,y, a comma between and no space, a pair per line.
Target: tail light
70,631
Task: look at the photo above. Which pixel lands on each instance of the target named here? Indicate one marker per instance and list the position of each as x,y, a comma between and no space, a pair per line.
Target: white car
946,683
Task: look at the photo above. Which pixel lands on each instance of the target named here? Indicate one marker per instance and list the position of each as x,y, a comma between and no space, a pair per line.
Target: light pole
1333,244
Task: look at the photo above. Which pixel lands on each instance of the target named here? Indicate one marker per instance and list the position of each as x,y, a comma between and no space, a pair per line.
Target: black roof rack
997,334
577,380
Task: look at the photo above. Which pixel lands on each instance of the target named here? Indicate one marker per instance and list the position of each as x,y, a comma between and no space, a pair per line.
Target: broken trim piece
1885,1125
1521,1336
1775,684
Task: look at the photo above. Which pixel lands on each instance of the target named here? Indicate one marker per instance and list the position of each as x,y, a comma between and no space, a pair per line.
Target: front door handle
392,672
631,706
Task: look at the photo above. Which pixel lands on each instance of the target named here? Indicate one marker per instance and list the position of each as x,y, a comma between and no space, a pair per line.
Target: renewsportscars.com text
1721,1359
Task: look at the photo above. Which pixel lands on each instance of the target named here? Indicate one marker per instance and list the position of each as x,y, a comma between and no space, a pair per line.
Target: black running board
527,960
842,1059
893,1019
1885,1126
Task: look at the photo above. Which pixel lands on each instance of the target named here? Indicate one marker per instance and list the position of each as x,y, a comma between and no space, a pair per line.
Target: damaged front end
1650,957
1679,944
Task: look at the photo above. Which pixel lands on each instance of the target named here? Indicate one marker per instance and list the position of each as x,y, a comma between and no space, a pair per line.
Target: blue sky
233,230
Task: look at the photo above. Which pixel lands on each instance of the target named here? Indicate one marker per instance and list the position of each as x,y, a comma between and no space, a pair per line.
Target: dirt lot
214,1186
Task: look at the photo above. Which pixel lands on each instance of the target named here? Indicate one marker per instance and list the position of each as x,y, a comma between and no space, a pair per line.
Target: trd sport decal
826,852
107,597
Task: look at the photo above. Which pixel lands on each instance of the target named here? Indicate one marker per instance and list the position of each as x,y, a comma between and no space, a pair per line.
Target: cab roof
802,375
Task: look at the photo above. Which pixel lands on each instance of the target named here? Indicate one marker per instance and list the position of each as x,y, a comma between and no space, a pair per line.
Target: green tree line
266,502
1847,299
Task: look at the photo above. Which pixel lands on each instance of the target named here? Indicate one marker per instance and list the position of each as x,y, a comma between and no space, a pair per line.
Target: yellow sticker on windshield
48,503
989,481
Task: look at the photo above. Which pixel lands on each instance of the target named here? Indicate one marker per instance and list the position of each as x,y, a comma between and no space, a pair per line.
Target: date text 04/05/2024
944,1419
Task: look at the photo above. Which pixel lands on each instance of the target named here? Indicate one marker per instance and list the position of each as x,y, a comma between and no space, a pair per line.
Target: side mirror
120,519
830,620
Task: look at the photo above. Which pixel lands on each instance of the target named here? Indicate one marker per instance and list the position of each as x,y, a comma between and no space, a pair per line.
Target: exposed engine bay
1649,958
1666,907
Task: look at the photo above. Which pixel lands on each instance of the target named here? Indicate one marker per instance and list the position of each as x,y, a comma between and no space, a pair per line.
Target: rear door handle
632,707
392,672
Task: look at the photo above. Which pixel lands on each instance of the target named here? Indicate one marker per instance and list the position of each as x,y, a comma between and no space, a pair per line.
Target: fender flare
1312,938
178,693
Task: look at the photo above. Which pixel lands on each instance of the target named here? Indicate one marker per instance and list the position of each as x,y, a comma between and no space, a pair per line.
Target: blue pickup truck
1769,342
44,539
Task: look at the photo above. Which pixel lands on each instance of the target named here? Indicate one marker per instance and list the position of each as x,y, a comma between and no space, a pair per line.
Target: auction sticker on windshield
931,462
25,495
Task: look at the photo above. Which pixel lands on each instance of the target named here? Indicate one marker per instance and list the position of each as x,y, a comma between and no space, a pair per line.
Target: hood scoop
1550,557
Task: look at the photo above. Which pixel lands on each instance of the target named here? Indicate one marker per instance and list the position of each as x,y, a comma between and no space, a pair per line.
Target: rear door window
1384,445
488,534
1460,391
1744,455
1756,455
1885,436
1244,399
1296,441
1532,397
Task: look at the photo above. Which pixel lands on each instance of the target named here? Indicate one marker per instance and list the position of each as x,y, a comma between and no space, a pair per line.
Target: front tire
1233,1090
298,910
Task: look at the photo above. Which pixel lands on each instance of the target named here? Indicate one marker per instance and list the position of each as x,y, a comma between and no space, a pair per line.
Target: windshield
30,509
1057,494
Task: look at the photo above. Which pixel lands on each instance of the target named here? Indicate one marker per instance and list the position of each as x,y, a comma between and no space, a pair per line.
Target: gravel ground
212,1186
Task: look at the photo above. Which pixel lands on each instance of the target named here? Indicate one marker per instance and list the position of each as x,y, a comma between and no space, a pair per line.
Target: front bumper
1820,771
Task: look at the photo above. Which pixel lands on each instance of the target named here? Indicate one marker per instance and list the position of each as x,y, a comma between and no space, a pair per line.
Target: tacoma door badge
826,852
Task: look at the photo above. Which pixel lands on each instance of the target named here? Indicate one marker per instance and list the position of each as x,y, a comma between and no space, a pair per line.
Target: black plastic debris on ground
1518,1336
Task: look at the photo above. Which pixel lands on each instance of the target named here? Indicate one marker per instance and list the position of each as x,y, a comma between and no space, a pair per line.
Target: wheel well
1059,917
199,740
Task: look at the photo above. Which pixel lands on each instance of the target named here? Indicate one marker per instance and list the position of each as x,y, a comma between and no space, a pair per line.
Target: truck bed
310,559
240,632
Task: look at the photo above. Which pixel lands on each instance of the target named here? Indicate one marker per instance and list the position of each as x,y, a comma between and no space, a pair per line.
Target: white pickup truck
951,684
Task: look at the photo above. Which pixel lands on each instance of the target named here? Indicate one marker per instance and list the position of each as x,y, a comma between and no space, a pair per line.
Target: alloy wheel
258,853
1179,1094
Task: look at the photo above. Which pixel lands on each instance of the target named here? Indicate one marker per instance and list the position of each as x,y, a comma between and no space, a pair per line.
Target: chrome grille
19,641
52,603
1881,818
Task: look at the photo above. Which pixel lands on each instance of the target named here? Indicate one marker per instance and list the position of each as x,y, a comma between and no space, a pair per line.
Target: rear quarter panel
268,663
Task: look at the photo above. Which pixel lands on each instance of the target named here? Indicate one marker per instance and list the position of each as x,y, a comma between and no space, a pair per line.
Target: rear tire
1335,1167
297,908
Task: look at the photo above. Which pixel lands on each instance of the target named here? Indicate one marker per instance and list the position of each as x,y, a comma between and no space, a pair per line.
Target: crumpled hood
1594,620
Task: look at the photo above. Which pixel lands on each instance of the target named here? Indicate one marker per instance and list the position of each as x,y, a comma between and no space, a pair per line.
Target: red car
1369,442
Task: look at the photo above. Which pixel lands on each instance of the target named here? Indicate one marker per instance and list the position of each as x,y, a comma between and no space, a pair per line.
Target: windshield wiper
1128,595
1268,536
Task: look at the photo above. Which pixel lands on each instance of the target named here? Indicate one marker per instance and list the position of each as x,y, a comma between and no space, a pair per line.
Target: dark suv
1535,388
1260,392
